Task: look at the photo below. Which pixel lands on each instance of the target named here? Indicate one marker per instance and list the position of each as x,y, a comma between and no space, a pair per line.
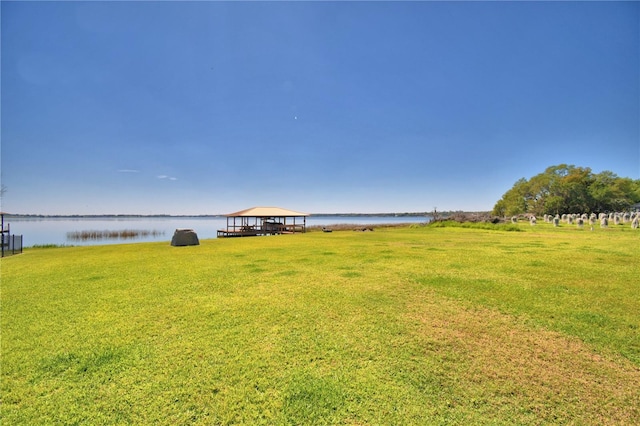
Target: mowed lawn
416,325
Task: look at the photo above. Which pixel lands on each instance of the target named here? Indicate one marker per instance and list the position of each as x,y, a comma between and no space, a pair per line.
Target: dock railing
11,244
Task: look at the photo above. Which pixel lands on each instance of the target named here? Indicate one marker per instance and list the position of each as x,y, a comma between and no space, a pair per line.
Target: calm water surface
41,231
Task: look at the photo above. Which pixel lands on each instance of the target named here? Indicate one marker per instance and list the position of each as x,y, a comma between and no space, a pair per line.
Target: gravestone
185,237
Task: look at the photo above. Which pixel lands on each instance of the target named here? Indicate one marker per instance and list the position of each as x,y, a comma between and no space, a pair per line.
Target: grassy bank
415,325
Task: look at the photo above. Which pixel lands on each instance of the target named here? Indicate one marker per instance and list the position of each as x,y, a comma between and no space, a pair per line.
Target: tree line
569,189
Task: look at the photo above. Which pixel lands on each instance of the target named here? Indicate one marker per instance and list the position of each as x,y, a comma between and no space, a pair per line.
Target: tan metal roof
266,212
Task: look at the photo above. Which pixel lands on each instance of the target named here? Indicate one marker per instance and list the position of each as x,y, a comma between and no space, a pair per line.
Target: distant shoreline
113,216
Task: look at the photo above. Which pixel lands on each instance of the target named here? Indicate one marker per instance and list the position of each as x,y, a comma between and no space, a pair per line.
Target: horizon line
417,213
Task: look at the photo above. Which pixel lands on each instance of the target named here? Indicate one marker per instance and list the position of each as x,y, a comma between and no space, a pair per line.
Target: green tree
569,189
613,193
514,201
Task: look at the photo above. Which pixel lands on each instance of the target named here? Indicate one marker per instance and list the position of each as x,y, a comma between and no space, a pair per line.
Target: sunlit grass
416,325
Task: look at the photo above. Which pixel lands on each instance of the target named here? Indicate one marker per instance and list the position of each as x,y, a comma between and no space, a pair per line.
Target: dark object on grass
185,237
326,229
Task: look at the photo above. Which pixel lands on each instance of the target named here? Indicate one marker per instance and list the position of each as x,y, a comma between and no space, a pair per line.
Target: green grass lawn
418,325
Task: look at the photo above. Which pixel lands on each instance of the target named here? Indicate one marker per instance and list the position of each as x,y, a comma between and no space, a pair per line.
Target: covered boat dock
258,221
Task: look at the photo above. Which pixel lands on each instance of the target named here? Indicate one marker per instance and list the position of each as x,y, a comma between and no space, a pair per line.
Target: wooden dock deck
258,221
225,233
250,231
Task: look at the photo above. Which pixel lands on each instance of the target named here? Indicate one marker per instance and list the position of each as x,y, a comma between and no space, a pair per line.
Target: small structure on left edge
10,244
185,237
264,221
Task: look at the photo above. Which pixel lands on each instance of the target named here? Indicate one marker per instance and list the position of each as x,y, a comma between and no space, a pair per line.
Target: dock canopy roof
266,212
263,221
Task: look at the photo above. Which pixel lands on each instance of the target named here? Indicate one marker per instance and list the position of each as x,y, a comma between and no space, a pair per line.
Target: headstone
185,237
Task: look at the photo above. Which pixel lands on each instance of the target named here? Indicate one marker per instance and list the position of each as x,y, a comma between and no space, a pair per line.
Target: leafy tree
514,201
569,189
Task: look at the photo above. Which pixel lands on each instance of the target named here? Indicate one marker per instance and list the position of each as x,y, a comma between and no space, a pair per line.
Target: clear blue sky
214,107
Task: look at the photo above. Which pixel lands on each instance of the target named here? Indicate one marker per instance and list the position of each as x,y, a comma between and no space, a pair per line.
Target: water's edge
42,231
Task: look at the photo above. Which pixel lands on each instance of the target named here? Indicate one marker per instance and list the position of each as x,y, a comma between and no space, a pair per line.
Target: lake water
42,231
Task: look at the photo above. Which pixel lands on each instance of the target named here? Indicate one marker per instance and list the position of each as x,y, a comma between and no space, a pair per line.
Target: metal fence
11,244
